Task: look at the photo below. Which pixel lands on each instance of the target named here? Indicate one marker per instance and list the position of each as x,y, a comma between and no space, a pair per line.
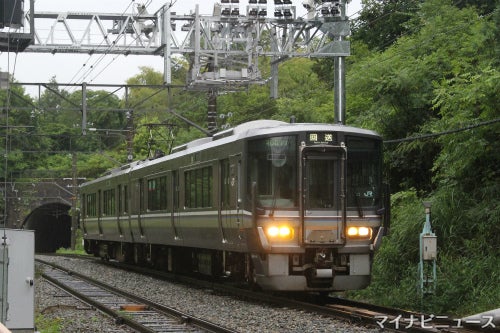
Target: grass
48,325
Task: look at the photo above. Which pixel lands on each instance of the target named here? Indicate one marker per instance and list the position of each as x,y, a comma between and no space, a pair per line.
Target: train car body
291,207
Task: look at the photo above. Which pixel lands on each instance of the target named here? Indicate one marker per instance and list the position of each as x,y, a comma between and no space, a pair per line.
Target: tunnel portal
52,225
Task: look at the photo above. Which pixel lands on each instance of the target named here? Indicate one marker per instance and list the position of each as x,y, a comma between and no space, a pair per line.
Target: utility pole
74,200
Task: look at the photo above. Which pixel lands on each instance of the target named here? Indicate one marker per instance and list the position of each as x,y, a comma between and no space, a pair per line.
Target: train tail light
359,232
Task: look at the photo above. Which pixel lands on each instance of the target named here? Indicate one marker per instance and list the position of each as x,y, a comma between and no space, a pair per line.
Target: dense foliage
441,84
425,74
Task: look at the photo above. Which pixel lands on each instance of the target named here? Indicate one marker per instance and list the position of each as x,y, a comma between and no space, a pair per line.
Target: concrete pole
74,215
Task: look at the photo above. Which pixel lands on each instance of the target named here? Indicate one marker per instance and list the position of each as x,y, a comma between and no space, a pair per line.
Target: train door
141,206
84,213
174,218
99,211
230,213
124,222
137,209
323,188
120,210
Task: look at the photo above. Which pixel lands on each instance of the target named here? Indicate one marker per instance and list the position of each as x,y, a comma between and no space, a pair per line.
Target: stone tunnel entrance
52,226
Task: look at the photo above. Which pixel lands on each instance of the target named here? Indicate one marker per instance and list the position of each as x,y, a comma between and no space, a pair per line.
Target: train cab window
363,172
91,204
108,207
198,188
157,194
272,164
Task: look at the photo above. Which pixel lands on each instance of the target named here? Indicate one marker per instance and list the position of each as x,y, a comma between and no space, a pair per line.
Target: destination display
328,138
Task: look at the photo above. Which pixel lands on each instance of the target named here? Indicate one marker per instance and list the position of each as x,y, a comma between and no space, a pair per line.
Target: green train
283,206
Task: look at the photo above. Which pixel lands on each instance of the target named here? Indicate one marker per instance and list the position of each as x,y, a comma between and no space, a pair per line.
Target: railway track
136,312
378,317
384,318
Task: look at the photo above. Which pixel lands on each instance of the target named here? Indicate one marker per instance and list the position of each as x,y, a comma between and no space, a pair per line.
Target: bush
468,260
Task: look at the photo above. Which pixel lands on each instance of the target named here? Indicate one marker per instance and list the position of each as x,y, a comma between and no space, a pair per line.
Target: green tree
152,105
18,127
393,91
381,22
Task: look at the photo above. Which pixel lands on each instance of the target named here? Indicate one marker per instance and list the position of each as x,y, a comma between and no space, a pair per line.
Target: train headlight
359,232
280,232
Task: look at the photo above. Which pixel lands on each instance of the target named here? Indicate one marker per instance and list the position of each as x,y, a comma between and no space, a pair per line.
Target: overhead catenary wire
94,65
102,42
447,132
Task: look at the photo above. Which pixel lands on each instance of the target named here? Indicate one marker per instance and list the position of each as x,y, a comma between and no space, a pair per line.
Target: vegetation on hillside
439,82
425,74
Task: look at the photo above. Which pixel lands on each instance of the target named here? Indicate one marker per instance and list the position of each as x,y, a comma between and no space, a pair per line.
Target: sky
114,69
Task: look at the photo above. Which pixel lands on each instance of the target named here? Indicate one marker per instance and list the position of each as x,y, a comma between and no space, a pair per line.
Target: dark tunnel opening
52,226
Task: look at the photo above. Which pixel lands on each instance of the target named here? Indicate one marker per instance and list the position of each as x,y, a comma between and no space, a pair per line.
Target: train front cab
317,210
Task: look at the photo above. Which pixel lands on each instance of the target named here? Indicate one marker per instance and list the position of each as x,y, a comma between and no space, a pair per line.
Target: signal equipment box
17,270
429,247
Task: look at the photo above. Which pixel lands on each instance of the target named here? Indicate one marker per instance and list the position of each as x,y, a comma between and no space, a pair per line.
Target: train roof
250,129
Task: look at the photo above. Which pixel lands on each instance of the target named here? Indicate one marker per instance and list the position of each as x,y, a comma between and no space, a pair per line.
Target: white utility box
430,247
17,274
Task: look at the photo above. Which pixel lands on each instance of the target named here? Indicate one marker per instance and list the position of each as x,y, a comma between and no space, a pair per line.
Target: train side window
152,191
157,194
91,204
198,188
109,202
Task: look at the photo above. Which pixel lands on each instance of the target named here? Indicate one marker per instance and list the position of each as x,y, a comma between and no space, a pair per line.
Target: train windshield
272,165
363,173
322,180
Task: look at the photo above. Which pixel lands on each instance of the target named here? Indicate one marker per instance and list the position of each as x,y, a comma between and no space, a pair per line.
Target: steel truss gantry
222,50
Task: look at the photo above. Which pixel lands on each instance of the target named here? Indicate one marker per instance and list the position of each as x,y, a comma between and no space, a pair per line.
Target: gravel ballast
227,311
